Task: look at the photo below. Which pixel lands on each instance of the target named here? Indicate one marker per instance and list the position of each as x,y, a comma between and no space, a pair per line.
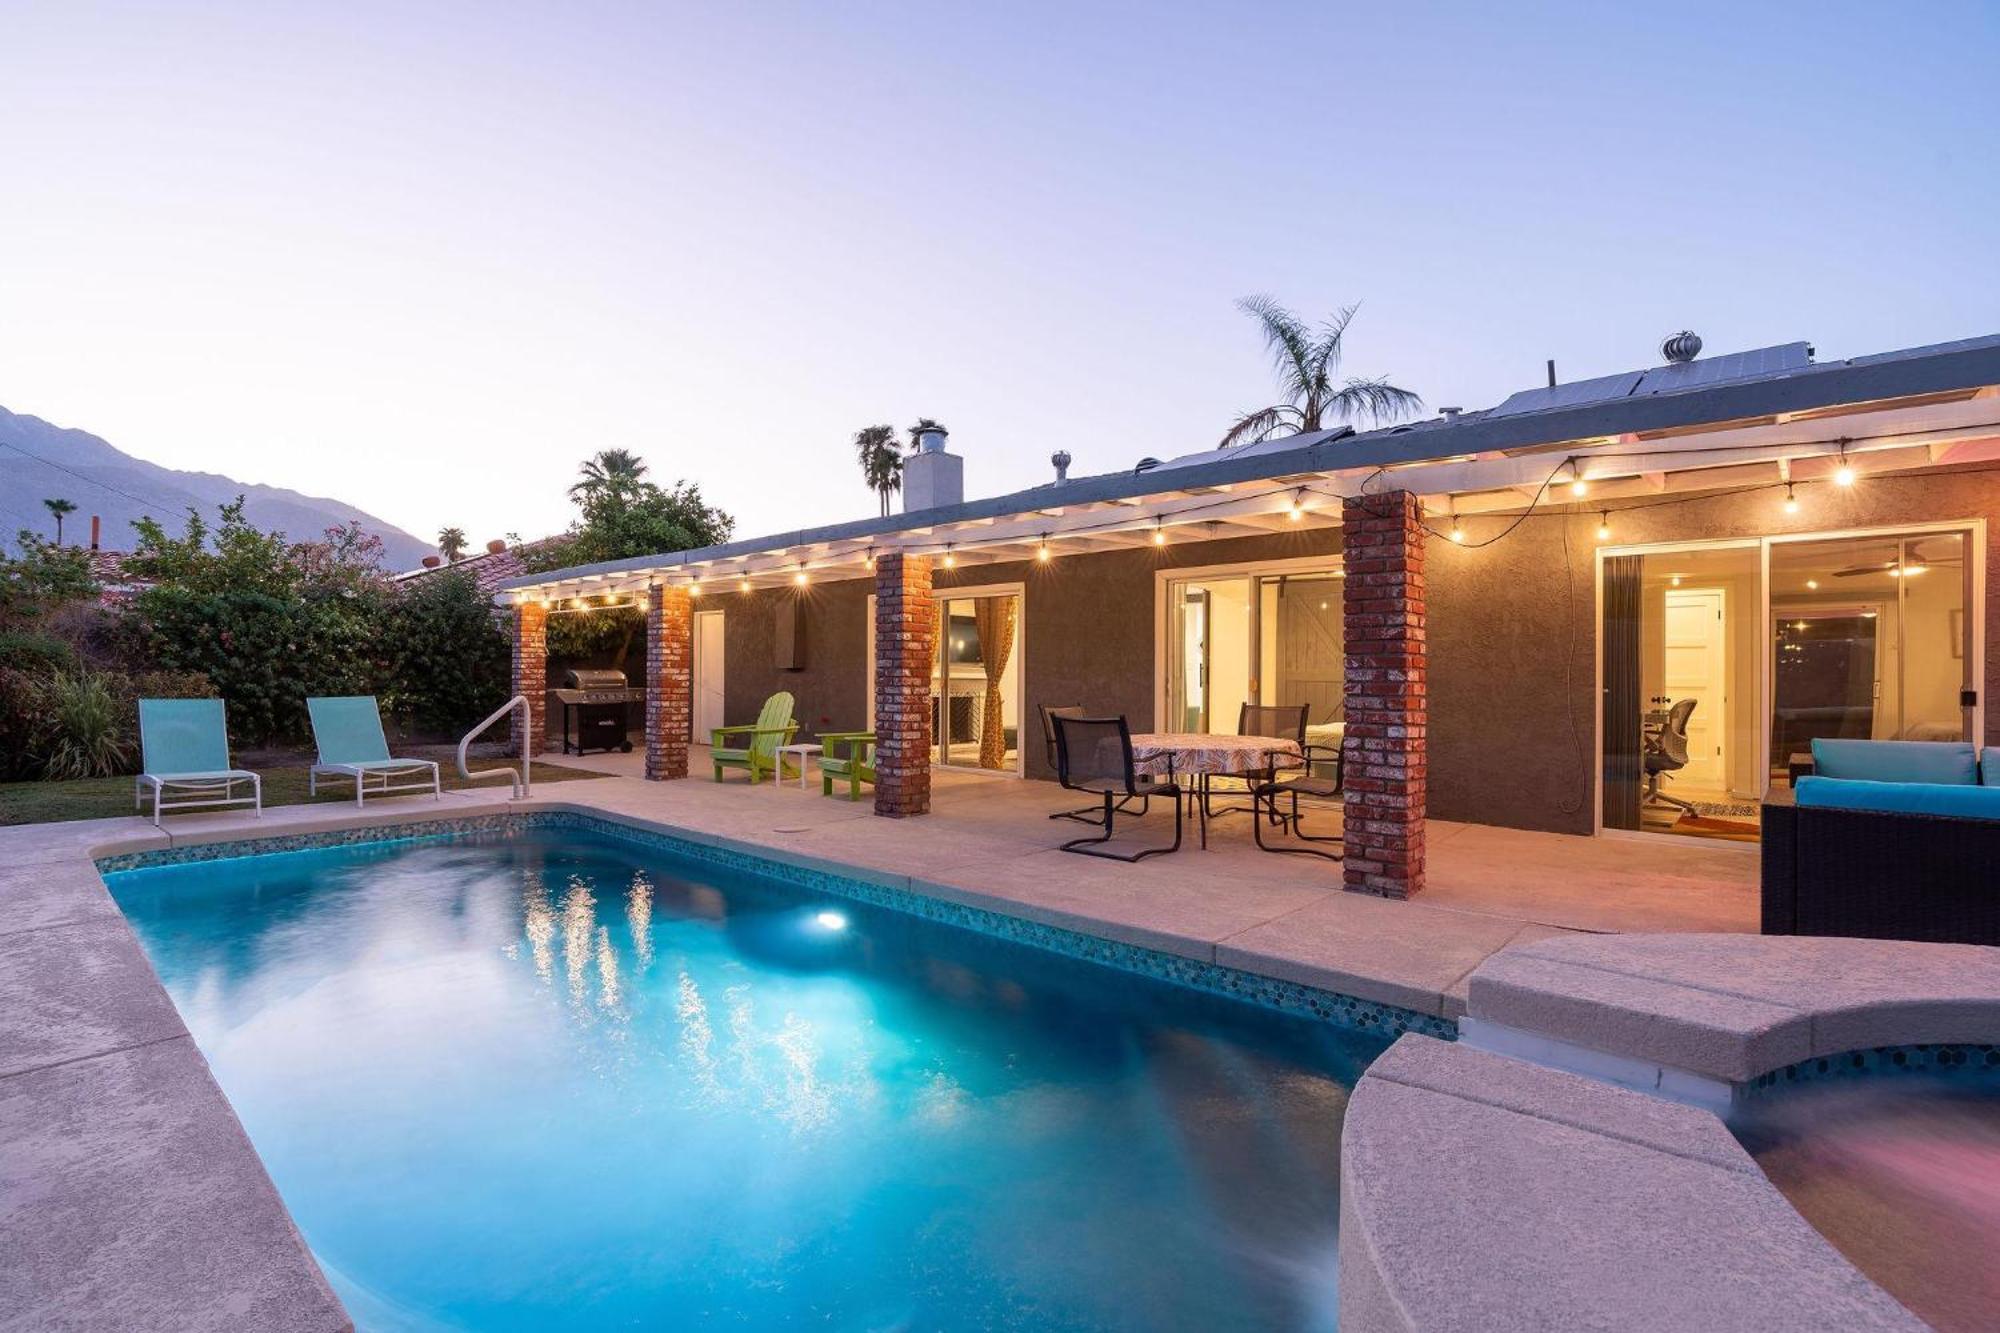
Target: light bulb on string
1791,500
1298,505
1604,526
1844,474
950,559
1159,535
1042,551
1577,485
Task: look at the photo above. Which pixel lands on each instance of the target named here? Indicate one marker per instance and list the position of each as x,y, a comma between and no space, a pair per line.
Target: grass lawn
106,798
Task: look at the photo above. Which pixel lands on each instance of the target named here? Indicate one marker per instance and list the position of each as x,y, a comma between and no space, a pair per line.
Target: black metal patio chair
1094,754
1089,813
1275,786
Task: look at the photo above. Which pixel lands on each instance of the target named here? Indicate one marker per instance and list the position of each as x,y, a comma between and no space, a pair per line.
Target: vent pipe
1061,460
96,530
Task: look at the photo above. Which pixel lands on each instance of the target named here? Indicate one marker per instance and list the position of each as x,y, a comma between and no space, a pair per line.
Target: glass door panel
1869,640
976,684
1210,665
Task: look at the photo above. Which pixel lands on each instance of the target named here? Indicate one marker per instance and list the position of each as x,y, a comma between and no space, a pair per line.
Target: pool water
560,1080
1902,1175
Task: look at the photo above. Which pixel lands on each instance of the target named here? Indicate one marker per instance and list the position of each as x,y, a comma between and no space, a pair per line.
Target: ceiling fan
1918,563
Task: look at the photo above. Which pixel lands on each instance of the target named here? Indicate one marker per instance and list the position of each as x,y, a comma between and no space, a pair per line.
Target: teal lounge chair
856,766
186,747
348,731
755,747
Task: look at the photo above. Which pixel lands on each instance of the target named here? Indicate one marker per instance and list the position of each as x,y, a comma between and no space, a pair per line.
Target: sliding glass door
976,683
1252,636
1722,664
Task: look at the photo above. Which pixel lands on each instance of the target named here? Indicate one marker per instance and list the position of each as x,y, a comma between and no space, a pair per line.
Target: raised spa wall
1512,632
1482,1190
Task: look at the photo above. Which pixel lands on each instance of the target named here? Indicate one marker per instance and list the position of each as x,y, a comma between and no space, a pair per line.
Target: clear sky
425,257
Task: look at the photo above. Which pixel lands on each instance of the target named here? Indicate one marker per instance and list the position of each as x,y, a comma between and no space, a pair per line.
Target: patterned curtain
994,618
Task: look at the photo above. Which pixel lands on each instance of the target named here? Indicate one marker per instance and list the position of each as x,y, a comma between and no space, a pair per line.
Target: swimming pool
562,1079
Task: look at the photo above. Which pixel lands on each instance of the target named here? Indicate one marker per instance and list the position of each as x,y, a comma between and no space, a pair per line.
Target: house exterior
1504,613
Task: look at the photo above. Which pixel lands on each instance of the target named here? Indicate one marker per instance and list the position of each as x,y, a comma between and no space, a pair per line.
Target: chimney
496,546
932,476
96,530
1061,459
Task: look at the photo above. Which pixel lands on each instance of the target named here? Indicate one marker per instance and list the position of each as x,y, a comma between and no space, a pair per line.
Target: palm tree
881,461
1306,363
451,544
59,508
609,472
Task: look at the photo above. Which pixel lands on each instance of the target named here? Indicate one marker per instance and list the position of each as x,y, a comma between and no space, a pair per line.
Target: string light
1791,500
1159,534
1812,585
1604,526
871,557
1577,485
800,577
743,585
950,560
1457,532
1042,551
1298,504
694,589
1675,580
1844,474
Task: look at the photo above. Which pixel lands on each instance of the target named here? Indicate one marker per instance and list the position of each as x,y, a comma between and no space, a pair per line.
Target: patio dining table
1201,756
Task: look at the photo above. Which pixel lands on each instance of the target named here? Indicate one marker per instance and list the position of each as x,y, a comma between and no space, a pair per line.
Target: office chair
1668,753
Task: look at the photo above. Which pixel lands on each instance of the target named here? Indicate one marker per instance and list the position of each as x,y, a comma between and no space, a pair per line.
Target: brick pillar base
905,648
1382,539
669,681
531,677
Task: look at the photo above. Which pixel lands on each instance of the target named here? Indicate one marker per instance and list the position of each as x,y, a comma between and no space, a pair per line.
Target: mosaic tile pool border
1969,1061
1384,1020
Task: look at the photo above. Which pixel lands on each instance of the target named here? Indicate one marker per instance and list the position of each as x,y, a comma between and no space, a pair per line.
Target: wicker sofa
1888,840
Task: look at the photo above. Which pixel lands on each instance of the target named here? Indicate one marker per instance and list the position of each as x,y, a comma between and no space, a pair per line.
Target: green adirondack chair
856,766
755,747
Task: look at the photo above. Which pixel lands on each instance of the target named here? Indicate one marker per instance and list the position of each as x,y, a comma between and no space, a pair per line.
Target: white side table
801,752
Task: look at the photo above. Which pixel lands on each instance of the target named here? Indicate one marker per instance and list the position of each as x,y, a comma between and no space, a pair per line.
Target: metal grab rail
520,780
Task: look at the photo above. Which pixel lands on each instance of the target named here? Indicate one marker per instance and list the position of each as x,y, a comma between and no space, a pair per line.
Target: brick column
669,681
905,648
531,676
1382,539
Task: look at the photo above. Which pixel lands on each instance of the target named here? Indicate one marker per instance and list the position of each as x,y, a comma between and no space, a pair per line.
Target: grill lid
596,678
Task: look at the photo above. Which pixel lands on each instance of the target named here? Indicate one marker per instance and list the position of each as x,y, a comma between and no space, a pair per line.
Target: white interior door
708,674
1697,667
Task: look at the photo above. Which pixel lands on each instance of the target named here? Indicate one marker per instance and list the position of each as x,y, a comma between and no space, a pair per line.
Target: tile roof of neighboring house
108,569
490,570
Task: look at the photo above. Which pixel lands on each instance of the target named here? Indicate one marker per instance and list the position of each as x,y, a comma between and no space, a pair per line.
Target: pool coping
104,1094
1492,1180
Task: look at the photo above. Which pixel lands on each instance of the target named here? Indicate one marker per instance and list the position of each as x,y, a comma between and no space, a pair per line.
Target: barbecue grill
598,705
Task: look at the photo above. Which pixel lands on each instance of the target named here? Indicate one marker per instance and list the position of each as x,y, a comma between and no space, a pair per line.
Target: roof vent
1146,464
1060,458
1449,412
1683,347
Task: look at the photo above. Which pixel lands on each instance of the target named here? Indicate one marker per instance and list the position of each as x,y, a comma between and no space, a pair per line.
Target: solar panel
1575,394
1756,364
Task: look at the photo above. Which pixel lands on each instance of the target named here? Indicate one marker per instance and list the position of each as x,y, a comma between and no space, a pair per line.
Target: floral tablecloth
1194,752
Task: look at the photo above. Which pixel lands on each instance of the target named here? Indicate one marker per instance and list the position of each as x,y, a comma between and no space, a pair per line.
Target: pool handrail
523,780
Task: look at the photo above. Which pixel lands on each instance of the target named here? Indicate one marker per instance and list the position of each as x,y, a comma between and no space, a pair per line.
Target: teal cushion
1900,798
1989,767
1897,761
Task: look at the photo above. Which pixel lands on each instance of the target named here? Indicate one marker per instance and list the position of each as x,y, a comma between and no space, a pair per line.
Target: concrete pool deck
133,1198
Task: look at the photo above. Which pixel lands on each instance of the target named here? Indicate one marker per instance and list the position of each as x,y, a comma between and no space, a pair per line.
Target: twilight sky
424,258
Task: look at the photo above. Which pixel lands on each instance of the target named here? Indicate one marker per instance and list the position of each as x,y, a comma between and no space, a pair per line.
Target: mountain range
40,461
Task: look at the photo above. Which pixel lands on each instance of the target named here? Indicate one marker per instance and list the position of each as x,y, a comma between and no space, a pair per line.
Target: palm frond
1262,424
1288,339
1327,350
1372,401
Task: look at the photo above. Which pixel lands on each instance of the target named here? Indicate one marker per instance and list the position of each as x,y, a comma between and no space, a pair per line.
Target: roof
1762,384
490,570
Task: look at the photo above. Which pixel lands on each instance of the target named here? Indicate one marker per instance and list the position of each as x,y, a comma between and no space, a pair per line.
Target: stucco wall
830,694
